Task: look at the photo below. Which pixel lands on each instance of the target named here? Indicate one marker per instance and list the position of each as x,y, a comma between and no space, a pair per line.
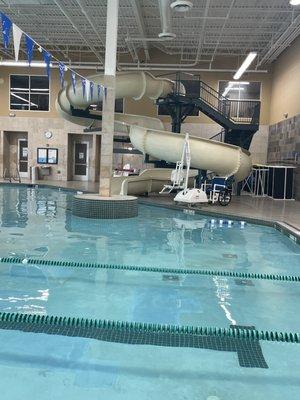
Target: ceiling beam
136,6
75,26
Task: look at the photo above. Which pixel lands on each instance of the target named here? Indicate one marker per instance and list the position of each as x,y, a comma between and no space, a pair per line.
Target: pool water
36,223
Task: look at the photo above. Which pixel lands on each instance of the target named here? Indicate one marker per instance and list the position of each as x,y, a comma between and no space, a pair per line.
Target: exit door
23,157
81,156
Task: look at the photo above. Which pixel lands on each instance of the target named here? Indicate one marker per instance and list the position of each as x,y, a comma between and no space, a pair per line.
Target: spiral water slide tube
148,135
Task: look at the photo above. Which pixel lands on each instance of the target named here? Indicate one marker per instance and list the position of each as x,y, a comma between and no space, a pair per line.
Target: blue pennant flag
83,83
73,80
29,48
62,69
47,58
6,26
105,92
91,89
99,91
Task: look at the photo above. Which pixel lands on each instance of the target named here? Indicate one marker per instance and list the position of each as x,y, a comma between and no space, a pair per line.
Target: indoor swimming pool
42,246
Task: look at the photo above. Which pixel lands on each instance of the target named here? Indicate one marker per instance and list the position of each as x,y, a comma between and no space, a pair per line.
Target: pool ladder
10,178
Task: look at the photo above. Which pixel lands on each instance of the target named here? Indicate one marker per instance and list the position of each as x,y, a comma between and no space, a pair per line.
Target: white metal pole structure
108,116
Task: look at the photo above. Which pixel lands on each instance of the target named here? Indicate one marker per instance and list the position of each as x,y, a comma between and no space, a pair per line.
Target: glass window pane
19,83
240,91
80,169
251,91
29,93
39,102
39,84
19,101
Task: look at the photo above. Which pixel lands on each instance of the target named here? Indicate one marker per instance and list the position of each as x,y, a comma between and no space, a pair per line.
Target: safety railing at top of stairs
237,111
10,177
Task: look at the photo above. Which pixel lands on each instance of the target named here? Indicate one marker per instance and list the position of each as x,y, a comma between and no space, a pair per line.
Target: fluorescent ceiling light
236,88
247,62
239,83
295,2
7,63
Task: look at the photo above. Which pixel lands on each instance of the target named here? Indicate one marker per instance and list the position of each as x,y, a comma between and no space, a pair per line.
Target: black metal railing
220,136
244,111
238,111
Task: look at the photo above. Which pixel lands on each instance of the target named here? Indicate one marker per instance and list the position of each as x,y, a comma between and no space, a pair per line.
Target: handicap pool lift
181,177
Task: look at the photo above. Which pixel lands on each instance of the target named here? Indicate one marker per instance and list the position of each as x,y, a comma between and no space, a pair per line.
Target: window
244,97
29,92
192,88
119,106
240,90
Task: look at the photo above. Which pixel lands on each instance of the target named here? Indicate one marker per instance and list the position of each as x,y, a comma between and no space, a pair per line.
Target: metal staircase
239,118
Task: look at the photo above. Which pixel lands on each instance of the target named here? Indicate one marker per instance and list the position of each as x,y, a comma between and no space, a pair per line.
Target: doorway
23,157
81,160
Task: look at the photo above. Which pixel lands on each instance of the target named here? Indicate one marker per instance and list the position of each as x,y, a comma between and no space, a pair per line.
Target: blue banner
62,69
6,26
73,80
83,82
91,89
47,59
99,91
29,48
105,92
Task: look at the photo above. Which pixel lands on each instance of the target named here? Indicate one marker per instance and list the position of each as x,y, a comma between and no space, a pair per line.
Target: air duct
166,21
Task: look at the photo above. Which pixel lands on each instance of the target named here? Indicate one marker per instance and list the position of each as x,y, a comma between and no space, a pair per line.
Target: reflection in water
14,208
36,223
180,235
224,296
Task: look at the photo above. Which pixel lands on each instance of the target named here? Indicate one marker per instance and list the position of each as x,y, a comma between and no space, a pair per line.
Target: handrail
237,111
221,134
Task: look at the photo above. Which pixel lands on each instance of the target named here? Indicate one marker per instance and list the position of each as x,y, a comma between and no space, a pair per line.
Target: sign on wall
47,156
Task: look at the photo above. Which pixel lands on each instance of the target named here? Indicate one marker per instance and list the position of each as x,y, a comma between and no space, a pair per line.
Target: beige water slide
148,134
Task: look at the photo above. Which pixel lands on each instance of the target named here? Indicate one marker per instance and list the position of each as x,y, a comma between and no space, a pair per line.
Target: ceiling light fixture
239,83
295,2
7,63
181,5
247,62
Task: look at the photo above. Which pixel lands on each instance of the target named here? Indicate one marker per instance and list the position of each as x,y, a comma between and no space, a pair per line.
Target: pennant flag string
83,83
17,34
29,48
73,80
91,89
47,58
87,85
6,26
62,69
99,91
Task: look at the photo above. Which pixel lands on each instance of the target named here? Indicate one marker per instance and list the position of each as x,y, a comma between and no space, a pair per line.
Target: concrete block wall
284,146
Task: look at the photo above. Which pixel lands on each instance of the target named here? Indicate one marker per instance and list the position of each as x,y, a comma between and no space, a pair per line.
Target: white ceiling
213,28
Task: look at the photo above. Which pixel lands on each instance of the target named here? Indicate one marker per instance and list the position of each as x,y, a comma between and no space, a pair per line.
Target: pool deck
287,211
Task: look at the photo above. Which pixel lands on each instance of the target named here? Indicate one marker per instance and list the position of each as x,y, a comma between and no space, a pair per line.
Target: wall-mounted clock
48,135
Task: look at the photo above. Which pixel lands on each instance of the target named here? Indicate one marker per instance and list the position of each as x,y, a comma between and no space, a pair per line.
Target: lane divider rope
18,321
208,272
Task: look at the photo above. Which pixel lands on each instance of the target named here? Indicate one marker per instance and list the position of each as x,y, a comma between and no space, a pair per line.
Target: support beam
136,6
108,117
69,17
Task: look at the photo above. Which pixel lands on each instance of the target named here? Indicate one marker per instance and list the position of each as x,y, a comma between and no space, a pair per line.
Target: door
81,156
23,158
